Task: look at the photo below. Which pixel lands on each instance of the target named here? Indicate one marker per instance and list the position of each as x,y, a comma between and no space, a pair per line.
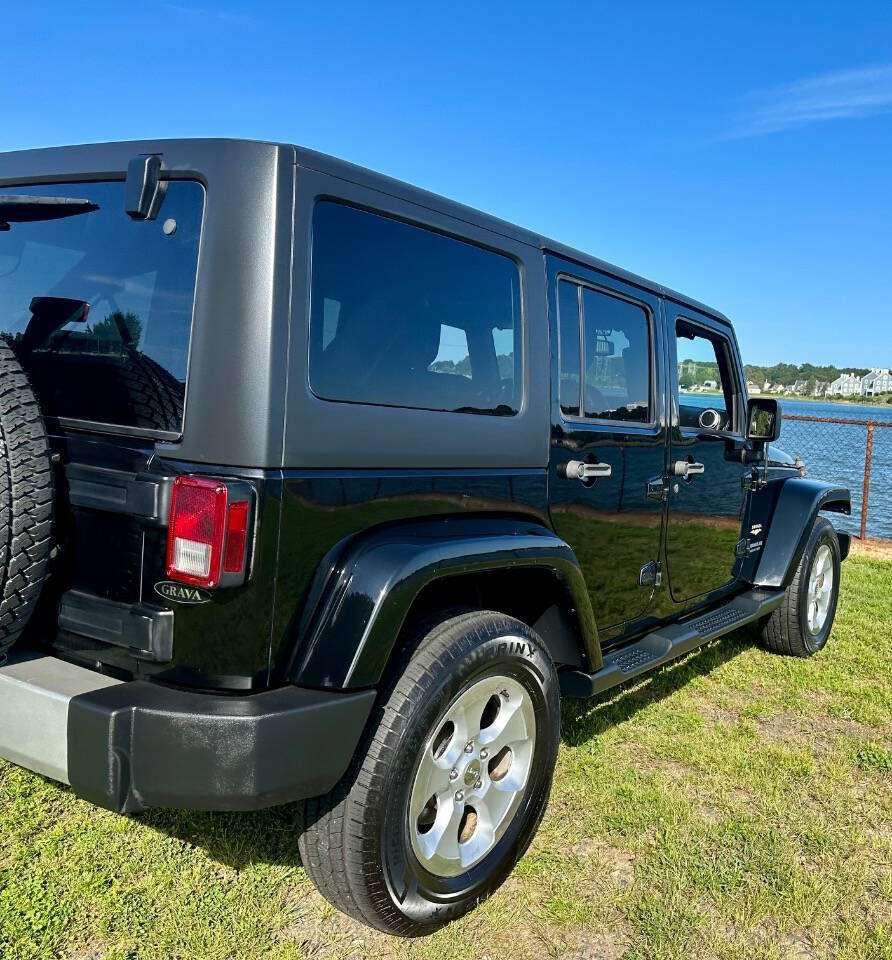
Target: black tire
355,842
26,500
155,397
787,630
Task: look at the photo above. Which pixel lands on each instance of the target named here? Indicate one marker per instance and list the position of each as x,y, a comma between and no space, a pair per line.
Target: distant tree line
787,374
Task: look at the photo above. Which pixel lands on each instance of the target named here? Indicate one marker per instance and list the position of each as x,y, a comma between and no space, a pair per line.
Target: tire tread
783,632
26,500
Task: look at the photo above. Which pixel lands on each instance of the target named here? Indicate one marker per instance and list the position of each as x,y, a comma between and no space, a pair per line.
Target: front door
706,492
608,437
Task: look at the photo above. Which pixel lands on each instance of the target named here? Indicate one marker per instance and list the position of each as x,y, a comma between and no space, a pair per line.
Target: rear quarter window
98,306
408,317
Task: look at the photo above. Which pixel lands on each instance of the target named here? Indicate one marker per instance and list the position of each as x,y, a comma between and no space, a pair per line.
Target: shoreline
868,403
861,402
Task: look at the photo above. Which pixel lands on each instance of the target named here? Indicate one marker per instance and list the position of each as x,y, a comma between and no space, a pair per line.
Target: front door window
706,382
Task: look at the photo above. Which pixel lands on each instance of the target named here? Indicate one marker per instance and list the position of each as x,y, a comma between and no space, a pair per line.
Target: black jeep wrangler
317,487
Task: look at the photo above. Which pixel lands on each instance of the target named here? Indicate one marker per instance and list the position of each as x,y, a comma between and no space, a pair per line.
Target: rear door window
604,355
404,316
98,306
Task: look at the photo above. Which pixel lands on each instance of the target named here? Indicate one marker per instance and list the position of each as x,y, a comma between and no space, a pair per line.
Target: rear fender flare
372,584
798,502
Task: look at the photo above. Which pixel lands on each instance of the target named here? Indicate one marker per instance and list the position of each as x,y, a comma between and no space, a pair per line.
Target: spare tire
26,500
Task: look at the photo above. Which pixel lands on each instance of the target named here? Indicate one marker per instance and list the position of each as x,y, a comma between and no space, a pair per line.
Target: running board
669,642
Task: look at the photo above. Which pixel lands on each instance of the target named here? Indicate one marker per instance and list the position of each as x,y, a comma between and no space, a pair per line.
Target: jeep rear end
144,288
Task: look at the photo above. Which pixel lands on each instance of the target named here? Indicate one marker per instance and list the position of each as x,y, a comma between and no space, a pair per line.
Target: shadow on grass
583,720
239,840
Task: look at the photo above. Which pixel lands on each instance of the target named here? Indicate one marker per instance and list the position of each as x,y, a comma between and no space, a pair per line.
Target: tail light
236,537
207,537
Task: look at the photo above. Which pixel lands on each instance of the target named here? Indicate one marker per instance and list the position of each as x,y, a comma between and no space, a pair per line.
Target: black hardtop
56,162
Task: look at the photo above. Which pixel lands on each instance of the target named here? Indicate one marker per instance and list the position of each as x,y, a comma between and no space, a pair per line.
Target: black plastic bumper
136,745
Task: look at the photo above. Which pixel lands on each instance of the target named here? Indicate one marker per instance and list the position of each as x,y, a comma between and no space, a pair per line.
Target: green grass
733,805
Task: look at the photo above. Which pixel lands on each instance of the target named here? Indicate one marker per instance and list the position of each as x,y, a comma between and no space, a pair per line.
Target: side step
669,642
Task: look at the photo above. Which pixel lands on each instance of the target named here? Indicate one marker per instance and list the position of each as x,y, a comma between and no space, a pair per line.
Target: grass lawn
734,805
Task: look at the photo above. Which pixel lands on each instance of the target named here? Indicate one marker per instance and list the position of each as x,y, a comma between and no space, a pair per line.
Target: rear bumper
131,745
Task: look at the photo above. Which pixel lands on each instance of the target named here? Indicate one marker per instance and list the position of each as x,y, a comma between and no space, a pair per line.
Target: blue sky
741,153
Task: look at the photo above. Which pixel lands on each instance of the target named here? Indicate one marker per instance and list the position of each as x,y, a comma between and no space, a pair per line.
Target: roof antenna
145,189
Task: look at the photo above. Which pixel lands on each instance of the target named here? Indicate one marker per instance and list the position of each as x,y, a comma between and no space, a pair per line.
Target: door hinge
753,481
651,574
658,489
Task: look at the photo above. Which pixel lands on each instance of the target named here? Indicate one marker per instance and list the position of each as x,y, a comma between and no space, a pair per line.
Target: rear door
706,492
608,414
97,306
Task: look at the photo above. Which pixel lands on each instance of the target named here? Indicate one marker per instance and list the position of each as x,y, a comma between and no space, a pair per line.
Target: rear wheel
26,500
802,623
450,785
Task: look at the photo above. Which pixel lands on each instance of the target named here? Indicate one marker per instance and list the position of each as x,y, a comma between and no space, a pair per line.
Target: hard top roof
13,163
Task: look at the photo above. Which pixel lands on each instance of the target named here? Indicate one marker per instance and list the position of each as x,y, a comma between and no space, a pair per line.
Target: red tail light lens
207,537
236,537
197,527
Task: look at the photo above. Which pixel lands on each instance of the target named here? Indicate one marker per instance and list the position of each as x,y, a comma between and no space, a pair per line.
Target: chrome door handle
579,470
685,468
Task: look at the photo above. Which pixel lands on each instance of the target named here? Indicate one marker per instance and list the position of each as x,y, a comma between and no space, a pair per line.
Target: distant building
753,388
877,381
710,385
845,385
799,387
820,388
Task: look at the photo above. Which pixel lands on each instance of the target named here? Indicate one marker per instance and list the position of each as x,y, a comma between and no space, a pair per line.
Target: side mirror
763,420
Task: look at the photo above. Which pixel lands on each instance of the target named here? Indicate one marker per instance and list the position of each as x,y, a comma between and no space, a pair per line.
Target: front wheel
450,784
800,626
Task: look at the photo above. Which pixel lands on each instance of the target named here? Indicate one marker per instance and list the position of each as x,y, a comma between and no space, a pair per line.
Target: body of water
836,452
847,411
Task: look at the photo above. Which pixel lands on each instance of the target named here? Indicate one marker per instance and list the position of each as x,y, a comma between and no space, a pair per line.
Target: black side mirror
763,420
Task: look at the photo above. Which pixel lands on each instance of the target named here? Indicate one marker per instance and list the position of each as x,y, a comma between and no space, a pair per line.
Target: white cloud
842,94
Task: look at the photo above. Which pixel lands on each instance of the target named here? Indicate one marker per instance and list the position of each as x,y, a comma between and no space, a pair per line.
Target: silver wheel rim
820,589
471,775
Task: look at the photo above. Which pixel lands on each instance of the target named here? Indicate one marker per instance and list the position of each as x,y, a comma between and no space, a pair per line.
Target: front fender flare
358,617
798,502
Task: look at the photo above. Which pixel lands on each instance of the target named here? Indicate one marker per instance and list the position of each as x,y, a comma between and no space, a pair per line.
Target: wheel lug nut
453,774
478,783
484,753
469,746
459,795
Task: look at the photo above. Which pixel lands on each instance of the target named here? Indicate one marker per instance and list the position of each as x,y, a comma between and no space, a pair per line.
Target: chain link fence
853,452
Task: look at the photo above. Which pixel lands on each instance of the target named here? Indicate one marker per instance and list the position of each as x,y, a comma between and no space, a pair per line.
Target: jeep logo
181,592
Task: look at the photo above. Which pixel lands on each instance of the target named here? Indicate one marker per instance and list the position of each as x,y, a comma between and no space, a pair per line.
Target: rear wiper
25,209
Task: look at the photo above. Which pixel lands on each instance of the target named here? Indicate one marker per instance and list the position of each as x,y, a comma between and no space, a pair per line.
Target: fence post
865,496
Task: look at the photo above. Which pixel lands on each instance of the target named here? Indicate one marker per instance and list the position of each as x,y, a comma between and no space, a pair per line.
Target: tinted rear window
125,363
403,316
